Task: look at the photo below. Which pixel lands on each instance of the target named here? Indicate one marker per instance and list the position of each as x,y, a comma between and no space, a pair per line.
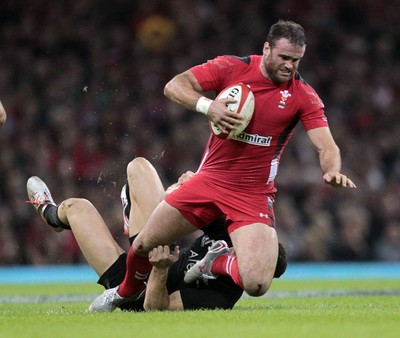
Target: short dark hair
281,264
289,30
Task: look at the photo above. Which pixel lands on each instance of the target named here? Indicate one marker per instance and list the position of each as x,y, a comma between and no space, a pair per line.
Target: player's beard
278,74
273,70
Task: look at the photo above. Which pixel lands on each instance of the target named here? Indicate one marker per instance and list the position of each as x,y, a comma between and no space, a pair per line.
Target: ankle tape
52,219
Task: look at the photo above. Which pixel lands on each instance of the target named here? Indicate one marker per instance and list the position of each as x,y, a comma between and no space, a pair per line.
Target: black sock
52,219
115,274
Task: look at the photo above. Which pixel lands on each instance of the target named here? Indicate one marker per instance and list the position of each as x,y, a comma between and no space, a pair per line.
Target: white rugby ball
244,107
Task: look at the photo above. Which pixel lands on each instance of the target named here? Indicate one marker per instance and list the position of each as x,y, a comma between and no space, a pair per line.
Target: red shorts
200,200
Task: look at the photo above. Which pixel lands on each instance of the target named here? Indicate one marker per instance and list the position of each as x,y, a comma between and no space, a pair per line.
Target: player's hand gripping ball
244,107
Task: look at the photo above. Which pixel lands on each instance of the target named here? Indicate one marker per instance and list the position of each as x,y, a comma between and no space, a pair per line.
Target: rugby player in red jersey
236,176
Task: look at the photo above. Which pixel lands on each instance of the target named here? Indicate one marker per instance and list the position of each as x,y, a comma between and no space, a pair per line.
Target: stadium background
82,85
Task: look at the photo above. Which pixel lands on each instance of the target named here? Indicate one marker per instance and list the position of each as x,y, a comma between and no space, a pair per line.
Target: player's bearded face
281,61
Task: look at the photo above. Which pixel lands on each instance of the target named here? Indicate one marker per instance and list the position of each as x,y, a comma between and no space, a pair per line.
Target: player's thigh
256,247
166,225
145,189
142,174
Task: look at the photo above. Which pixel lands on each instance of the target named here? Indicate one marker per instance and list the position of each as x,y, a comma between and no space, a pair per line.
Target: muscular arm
3,115
329,158
185,90
157,297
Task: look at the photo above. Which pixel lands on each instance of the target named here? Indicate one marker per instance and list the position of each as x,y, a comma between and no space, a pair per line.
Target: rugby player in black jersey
166,289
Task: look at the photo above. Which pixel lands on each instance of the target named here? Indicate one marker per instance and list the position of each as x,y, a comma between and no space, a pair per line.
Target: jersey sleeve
214,74
312,113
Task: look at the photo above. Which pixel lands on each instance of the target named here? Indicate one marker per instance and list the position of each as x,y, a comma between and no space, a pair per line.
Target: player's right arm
186,90
3,115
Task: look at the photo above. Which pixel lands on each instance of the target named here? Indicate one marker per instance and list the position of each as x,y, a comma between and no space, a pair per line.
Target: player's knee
137,167
74,205
256,288
140,247
256,285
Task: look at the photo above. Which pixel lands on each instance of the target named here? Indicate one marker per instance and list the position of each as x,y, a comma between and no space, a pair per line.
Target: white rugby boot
202,269
109,300
40,197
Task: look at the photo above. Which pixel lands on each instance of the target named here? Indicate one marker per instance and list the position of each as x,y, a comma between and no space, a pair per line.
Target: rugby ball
244,106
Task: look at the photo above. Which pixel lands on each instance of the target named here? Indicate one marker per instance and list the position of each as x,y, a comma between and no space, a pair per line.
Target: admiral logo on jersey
255,139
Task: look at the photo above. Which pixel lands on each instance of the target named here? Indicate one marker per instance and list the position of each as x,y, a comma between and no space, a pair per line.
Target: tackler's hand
162,258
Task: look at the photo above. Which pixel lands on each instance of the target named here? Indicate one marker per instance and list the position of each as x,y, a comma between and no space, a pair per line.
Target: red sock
227,265
137,271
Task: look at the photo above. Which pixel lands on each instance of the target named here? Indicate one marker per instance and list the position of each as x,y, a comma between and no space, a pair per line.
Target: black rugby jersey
219,293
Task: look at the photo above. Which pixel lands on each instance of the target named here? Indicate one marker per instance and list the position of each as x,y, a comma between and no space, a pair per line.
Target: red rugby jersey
251,161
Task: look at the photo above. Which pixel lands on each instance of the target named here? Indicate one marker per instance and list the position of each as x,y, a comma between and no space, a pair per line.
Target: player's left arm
157,297
329,158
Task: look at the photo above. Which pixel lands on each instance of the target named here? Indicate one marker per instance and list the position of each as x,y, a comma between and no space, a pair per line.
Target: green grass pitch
293,308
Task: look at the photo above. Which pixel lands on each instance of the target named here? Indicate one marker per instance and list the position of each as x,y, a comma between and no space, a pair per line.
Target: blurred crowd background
82,83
